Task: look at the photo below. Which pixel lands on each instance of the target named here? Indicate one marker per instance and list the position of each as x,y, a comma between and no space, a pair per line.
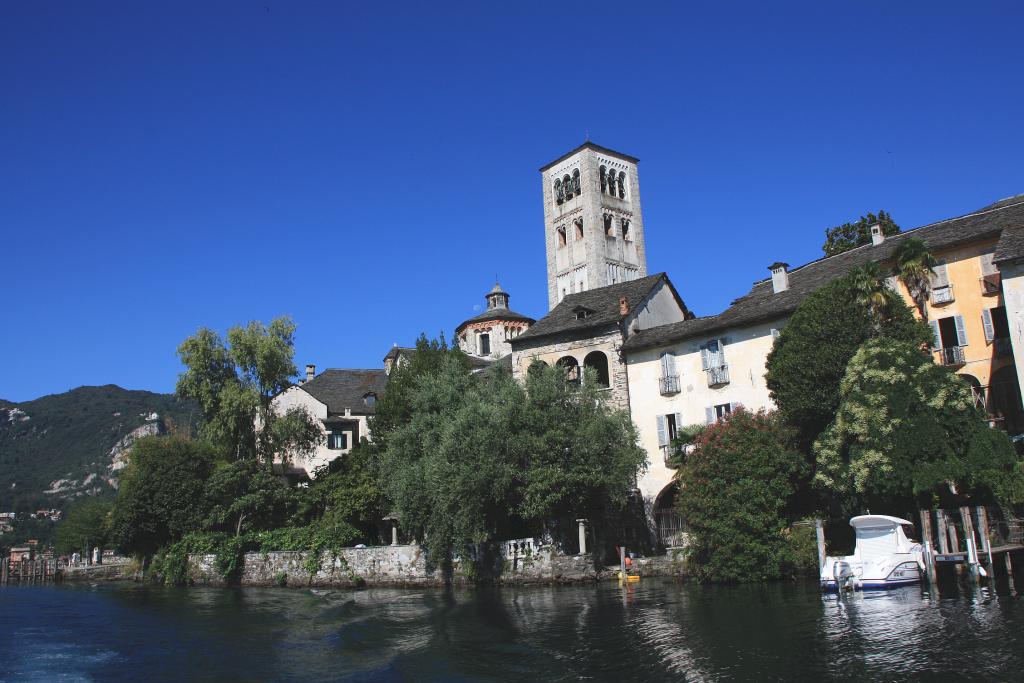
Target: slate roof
494,314
341,388
602,304
761,304
589,145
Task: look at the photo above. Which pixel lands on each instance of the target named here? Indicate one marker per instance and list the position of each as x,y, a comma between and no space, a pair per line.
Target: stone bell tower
593,227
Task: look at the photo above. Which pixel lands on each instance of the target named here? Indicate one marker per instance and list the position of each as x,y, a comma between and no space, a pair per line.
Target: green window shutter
662,431
936,335
961,333
986,321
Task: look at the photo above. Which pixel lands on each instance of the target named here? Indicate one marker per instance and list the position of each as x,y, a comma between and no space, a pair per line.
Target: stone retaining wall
406,565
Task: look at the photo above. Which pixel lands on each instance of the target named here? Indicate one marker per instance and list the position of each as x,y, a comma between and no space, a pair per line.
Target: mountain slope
59,447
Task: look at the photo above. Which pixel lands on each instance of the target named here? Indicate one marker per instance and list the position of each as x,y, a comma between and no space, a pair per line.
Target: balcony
942,295
669,385
717,376
952,355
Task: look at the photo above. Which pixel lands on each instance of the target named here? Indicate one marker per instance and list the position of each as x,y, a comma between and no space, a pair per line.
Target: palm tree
872,292
913,266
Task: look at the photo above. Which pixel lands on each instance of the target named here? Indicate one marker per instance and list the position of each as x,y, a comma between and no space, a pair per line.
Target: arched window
571,368
576,181
608,230
622,185
579,228
559,192
604,180
561,235
597,361
625,230
669,523
976,390
567,184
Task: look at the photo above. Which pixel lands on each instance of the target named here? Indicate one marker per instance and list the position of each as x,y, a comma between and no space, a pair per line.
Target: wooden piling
819,531
3,571
942,524
970,541
983,530
927,541
1009,571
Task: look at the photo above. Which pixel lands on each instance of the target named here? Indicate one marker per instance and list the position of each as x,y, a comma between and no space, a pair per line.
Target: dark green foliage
810,356
69,436
481,461
348,491
84,527
906,433
162,494
736,489
243,496
849,235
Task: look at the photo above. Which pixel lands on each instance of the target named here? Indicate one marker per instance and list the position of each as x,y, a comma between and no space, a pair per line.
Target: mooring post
1009,572
926,538
819,533
940,522
583,535
972,543
3,572
983,529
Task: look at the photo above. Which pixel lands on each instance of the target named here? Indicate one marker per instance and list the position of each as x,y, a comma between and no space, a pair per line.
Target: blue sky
369,168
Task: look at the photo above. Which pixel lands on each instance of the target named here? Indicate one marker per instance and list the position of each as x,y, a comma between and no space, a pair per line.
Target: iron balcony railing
942,295
669,385
718,375
952,355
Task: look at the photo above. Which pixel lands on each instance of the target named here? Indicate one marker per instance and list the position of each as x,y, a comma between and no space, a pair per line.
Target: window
604,179
669,378
581,312
484,344
559,192
949,338
626,235
370,400
567,185
337,441
622,185
608,230
571,368
717,413
561,235
576,182
668,428
579,228
598,362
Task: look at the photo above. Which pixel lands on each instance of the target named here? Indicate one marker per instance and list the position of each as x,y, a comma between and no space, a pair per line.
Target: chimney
780,276
623,306
310,372
876,234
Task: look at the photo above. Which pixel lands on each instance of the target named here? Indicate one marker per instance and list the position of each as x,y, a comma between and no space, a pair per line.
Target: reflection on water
657,630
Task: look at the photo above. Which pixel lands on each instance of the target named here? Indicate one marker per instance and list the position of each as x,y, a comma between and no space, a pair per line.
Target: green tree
810,356
86,526
737,488
480,461
243,496
235,384
162,494
913,266
873,294
849,235
907,432
348,490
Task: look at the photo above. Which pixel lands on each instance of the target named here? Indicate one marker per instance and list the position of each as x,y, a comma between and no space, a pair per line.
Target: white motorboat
883,558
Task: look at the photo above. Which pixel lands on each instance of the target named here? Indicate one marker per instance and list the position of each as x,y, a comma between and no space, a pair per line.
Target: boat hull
903,574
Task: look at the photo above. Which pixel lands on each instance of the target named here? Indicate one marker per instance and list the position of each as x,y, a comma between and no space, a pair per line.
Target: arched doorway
977,390
572,369
599,363
668,522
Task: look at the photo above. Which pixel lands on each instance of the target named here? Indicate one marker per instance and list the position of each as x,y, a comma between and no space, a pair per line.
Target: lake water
658,630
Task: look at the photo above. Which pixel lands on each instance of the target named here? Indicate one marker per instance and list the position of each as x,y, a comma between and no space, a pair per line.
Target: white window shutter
662,431
961,333
721,351
709,415
733,407
936,335
704,360
940,277
679,423
986,321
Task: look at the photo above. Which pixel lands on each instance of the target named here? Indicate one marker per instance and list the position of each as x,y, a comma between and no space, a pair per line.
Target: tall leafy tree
737,489
161,497
86,526
849,235
810,356
243,496
913,264
907,432
235,384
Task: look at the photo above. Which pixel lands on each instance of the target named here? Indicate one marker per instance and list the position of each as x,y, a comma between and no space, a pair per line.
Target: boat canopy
879,536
